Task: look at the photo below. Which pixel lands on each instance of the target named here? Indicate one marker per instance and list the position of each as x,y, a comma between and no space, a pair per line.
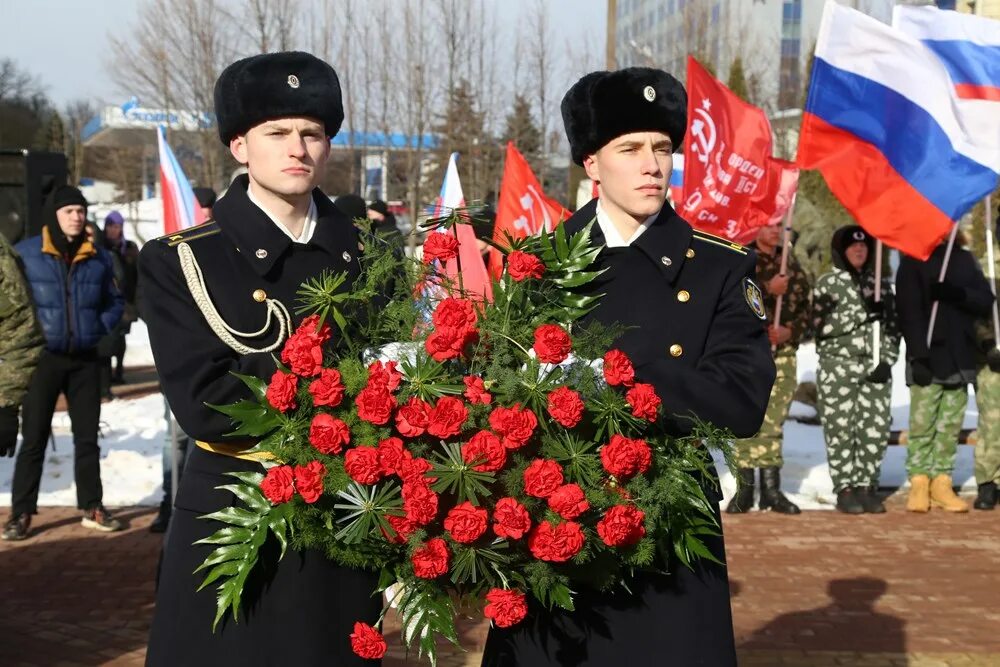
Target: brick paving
818,590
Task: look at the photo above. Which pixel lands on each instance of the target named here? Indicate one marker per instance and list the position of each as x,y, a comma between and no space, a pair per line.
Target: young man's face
857,254
769,236
286,156
71,220
112,232
633,171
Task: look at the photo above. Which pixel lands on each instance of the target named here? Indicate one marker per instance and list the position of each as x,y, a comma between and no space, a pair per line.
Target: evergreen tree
737,79
521,129
462,128
52,135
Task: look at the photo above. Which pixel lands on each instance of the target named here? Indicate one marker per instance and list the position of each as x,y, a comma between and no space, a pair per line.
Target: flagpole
944,270
991,258
785,243
877,329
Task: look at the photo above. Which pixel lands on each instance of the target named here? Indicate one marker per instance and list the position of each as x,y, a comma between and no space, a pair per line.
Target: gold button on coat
676,350
259,295
690,253
683,296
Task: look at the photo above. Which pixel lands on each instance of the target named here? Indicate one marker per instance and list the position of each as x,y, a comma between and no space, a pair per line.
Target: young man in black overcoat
696,333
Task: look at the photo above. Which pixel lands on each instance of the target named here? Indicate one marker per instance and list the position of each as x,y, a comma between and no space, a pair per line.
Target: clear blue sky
64,42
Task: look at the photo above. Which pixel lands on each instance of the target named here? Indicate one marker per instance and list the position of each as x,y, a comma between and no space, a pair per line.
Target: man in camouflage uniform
987,452
764,450
854,393
21,343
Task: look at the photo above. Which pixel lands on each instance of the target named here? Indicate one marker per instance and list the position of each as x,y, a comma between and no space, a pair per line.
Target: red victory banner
727,160
770,209
522,208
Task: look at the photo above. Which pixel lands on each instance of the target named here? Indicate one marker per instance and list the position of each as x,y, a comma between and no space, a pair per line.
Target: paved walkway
818,590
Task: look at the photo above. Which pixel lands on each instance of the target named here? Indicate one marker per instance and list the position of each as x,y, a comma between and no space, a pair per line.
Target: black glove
876,310
920,369
8,430
993,359
881,373
947,292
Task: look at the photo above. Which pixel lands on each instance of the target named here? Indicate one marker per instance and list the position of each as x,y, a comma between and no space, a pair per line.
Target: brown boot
919,499
944,496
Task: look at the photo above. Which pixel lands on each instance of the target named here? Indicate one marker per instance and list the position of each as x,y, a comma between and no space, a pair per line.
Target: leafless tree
77,114
16,82
269,25
541,63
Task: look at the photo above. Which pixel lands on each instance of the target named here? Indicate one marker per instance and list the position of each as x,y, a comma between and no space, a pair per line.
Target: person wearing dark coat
272,230
696,333
939,374
124,257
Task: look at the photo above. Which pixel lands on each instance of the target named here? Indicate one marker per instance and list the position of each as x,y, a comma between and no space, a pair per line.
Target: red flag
522,209
727,157
782,183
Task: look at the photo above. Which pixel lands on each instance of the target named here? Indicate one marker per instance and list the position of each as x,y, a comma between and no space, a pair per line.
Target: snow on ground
133,434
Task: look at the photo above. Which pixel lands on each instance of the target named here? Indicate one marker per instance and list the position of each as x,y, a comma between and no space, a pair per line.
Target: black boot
849,501
743,500
771,497
987,498
870,499
162,519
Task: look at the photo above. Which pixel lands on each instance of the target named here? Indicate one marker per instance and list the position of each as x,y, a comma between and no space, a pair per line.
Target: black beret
205,197
604,105
277,85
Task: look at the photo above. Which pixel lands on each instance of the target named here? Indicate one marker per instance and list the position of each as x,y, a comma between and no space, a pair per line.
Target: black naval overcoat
302,612
699,338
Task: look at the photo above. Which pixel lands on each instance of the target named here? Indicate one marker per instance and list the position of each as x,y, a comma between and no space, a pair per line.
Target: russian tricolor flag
885,126
179,211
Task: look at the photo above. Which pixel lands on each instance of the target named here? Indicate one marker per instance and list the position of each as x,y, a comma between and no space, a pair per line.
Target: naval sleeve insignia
754,297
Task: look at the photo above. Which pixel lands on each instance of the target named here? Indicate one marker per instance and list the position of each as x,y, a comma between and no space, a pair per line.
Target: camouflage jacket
21,339
795,308
845,327
985,333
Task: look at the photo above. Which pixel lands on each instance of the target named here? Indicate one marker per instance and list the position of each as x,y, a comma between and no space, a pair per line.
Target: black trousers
78,377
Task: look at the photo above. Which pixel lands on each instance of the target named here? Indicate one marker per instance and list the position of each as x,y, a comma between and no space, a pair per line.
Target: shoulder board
207,228
719,241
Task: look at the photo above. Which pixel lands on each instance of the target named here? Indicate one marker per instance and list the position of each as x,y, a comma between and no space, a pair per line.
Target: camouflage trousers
936,414
987,451
764,449
856,419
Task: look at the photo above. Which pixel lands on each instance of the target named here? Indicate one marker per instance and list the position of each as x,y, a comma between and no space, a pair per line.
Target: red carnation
278,484
552,344
440,246
412,418
384,375
522,265
568,501
402,526
624,457
618,369
328,434
454,312
556,544
391,454
510,519
367,642
542,477
309,481
419,503
486,448
566,406
447,417
327,389
281,391
622,526
413,470
514,425
431,560
475,390
466,522
303,351
505,607
375,405
362,464
449,342
644,401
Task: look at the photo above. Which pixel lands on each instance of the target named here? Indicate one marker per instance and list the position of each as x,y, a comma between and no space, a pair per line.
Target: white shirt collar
308,227
612,239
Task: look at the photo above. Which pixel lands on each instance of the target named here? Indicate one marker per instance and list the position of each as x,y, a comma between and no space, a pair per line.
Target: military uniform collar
258,238
665,241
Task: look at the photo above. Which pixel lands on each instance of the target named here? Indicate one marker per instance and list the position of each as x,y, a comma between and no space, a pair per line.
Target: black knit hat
67,195
604,105
353,206
277,85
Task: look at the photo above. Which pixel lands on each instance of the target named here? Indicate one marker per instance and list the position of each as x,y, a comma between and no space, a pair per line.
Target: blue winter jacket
77,304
